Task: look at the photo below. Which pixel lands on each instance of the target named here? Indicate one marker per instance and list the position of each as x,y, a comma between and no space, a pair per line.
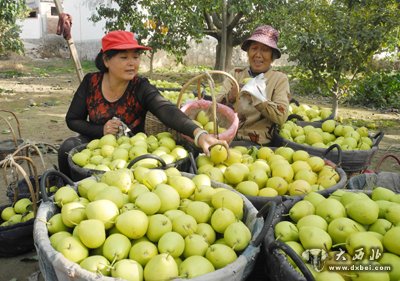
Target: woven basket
54,266
17,239
8,146
220,114
353,161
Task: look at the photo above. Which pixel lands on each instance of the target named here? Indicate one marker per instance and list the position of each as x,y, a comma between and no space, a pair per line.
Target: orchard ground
39,93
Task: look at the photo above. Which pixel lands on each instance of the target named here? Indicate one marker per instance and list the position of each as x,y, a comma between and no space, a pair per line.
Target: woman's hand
206,141
111,127
232,95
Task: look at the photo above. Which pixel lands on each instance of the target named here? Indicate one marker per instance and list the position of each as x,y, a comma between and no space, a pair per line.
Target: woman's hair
99,61
275,54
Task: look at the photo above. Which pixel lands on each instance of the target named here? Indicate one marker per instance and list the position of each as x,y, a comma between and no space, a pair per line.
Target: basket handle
267,210
279,245
378,166
198,78
376,139
43,181
210,80
12,131
295,116
329,149
145,156
16,120
11,161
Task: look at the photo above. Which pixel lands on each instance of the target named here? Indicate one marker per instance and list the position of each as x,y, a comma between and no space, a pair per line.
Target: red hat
120,40
266,35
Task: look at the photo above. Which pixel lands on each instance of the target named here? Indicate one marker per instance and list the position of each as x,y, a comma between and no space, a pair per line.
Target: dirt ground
40,98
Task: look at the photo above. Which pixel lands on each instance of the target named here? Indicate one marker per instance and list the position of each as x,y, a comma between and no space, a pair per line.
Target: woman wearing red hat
117,96
264,100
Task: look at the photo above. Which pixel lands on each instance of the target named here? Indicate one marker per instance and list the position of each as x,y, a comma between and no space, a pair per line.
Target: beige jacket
255,117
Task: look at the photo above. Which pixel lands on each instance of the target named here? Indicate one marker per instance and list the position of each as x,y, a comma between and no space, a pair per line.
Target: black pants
65,148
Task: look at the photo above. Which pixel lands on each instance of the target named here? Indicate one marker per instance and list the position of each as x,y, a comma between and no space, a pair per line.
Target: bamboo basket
220,113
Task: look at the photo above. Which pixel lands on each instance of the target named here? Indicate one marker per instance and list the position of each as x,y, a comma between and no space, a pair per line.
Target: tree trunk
228,55
151,62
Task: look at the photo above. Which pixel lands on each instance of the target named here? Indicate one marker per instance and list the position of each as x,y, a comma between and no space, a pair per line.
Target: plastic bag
256,87
123,129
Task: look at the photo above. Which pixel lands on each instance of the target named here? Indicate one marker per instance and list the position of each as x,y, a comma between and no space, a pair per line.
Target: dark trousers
65,148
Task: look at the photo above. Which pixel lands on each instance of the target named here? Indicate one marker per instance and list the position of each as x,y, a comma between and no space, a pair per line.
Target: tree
168,26
10,11
335,40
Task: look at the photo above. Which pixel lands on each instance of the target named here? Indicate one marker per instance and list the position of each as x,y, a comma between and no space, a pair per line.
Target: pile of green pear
173,96
111,153
331,132
148,224
164,84
309,113
21,211
204,121
366,228
265,172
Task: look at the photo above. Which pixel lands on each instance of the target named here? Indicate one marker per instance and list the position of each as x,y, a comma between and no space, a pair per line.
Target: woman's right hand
111,127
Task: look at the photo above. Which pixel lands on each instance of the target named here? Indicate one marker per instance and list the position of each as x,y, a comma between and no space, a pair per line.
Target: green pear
286,231
312,237
393,213
364,211
394,262
337,194
365,241
301,209
367,275
314,198
312,220
328,276
382,193
340,228
383,206
330,209
297,247
350,196
391,240
380,226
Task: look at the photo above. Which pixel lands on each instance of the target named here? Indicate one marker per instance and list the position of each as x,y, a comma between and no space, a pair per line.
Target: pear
314,198
312,237
297,247
364,211
161,267
382,193
312,220
301,209
337,194
328,276
394,262
364,240
393,213
380,226
391,240
367,275
286,231
383,206
330,209
340,228
350,196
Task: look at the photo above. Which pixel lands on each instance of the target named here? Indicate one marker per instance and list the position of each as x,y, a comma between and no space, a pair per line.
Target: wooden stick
71,47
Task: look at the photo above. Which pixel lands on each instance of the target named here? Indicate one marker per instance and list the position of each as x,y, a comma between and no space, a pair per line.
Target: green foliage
10,11
170,26
335,40
376,89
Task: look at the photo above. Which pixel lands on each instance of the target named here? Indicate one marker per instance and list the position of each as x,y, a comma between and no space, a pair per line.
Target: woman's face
260,57
124,65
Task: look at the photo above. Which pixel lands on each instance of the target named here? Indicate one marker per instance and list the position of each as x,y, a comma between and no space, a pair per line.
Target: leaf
6,131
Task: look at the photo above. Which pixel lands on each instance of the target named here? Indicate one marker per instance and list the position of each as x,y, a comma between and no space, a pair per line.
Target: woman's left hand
206,141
